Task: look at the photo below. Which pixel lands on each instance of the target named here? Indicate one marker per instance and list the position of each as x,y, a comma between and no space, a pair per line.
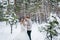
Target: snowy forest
44,14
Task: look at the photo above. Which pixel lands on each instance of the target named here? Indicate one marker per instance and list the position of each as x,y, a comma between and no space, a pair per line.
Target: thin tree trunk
15,5
51,36
8,7
11,29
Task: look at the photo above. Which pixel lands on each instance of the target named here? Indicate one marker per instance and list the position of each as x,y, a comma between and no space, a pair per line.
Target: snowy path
6,35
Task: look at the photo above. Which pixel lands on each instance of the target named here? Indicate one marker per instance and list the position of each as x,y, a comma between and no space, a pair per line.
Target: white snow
5,31
35,35
6,35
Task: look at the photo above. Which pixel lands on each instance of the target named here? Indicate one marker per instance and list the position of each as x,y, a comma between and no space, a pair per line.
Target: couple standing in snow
26,25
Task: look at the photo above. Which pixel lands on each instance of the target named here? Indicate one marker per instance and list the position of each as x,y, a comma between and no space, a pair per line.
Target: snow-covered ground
6,35
5,31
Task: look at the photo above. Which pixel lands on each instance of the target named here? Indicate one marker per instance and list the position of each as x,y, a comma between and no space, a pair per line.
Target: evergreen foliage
51,27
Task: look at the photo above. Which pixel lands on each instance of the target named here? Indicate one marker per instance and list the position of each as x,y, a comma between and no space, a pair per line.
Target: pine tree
1,13
50,27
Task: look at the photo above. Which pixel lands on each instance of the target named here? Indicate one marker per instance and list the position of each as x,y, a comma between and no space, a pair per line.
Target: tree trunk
8,1
15,5
11,29
50,36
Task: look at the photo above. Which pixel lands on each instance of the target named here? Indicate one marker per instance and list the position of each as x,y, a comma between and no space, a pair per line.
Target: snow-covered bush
11,16
51,26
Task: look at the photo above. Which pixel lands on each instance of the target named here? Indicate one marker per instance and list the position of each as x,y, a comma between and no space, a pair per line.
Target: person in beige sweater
29,25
